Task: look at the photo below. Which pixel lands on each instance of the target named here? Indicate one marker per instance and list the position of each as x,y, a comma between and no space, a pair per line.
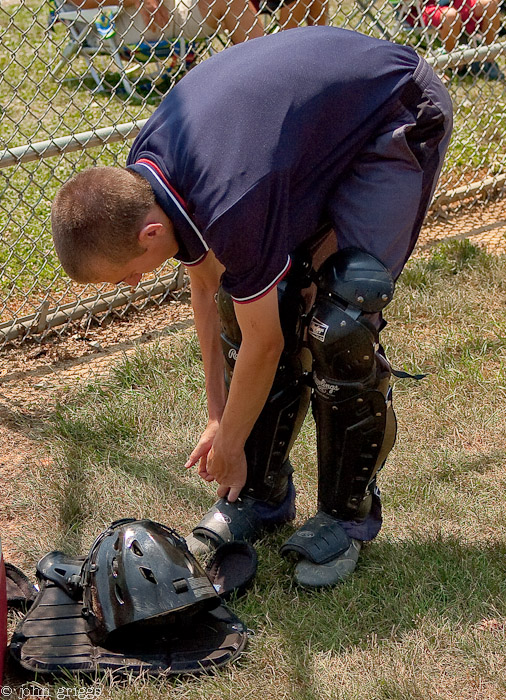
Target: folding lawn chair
91,34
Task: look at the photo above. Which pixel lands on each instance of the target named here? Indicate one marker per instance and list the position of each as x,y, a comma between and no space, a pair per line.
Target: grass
35,107
424,616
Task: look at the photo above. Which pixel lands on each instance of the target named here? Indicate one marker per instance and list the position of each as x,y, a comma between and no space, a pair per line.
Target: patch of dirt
32,375
483,225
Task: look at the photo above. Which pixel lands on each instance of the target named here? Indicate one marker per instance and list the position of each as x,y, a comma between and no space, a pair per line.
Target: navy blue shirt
244,153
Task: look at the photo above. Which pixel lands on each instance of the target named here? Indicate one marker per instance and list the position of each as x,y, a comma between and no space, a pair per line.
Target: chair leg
113,49
76,47
73,48
99,81
68,52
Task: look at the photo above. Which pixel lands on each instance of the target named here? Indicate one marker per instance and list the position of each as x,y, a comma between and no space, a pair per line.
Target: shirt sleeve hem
267,289
194,263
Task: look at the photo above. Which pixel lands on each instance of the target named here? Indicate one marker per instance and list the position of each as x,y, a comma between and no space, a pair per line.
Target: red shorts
433,14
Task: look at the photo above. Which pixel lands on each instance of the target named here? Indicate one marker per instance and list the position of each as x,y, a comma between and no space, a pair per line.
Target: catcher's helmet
139,571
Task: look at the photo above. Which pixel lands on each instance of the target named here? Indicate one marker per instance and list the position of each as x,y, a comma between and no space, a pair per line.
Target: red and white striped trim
267,289
193,263
176,198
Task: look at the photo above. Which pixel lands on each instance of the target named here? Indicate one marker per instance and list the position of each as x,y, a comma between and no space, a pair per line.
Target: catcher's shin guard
270,441
355,420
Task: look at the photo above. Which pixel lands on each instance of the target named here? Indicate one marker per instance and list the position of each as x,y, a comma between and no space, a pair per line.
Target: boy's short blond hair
99,214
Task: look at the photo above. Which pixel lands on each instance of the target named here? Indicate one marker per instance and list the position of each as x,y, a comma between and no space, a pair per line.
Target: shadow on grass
463,464
123,485
396,587
94,473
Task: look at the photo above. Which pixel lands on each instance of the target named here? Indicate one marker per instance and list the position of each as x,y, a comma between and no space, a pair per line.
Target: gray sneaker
336,571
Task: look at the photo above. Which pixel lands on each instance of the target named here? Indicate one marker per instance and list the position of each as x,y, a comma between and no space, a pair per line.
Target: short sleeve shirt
246,151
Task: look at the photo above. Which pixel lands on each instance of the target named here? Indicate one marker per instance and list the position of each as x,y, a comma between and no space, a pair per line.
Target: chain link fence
77,83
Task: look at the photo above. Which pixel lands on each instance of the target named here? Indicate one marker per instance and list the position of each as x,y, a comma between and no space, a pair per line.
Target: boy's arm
205,281
220,451
257,361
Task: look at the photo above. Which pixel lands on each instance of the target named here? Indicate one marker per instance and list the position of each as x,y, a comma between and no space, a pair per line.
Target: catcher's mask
139,571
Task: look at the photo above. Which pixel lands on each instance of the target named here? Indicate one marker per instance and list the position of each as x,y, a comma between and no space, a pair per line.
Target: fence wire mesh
78,80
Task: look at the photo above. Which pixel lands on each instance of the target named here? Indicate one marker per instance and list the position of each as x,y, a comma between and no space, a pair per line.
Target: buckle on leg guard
320,539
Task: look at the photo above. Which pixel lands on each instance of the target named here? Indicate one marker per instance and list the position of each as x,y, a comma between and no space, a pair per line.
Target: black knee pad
270,441
351,399
353,288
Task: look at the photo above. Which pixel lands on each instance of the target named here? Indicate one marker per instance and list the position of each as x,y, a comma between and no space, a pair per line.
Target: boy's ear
149,231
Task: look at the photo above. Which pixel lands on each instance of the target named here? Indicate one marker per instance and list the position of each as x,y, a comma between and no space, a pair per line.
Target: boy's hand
226,464
201,451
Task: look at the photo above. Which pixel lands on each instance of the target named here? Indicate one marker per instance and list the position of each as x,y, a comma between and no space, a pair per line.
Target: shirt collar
192,246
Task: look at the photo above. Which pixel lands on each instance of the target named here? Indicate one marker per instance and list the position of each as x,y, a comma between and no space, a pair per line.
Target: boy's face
158,241
131,272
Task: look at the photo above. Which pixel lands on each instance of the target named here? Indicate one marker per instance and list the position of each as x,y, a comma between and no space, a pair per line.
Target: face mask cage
141,573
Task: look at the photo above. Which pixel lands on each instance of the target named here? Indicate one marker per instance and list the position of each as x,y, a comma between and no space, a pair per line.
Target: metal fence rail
77,83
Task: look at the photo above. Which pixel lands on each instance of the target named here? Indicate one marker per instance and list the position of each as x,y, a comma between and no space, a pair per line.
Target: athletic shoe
309,575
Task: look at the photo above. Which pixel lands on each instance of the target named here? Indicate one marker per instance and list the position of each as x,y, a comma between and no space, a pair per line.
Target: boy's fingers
230,492
233,494
222,491
202,469
198,453
192,460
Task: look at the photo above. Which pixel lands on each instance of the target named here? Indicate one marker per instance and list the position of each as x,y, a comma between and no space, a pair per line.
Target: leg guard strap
320,540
